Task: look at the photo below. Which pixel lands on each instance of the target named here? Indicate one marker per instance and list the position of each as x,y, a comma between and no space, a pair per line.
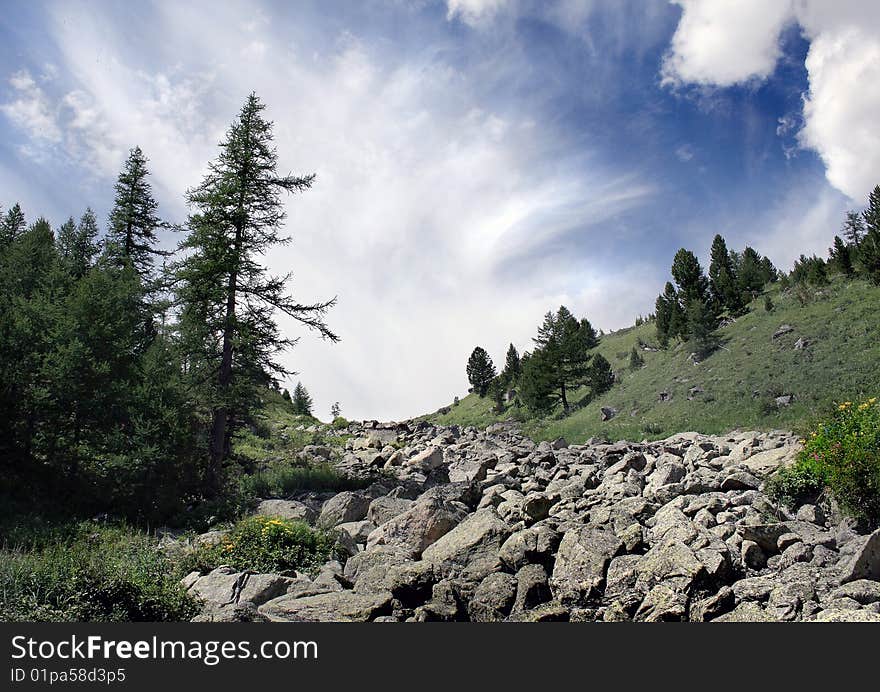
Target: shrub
843,453
768,304
803,482
265,544
282,479
88,573
339,423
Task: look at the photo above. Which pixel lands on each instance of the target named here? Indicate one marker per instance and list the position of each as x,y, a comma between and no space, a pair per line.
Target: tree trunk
564,399
219,439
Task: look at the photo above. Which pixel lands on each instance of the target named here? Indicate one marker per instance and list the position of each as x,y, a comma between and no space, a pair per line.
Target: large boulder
342,606
472,548
865,562
471,470
581,562
493,598
343,507
420,526
537,544
226,586
672,563
287,509
385,508
427,460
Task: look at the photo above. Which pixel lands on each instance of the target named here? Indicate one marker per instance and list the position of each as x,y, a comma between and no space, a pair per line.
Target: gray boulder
493,599
472,548
343,507
420,526
865,562
287,509
581,562
343,606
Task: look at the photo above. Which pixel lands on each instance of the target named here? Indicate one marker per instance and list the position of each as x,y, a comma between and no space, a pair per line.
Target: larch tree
480,370
302,400
722,278
869,249
229,300
133,219
565,343
512,364
12,226
78,244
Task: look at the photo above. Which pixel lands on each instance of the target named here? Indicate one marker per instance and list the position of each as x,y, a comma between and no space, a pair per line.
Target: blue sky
479,161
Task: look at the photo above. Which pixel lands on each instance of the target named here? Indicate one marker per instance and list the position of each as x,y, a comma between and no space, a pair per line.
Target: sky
479,162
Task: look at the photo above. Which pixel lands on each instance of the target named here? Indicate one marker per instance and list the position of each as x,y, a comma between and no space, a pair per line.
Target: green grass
739,380
281,479
87,572
271,448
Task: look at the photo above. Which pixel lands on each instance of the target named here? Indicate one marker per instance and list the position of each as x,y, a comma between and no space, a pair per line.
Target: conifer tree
565,344
854,228
302,402
752,274
335,410
480,371
537,385
228,299
869,249
133,219
601,376
78,244
12,226
635,359
669,315
689,278
512,366
722,278
841,255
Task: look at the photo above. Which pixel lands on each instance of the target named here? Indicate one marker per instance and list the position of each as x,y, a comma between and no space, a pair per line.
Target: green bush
281,479
339,423
803,482
88,573
843,454
265,544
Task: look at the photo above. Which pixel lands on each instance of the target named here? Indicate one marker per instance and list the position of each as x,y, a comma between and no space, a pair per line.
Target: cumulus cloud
726,42
427,198
31,109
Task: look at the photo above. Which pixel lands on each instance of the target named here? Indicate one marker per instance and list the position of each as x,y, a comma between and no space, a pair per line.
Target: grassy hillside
739,382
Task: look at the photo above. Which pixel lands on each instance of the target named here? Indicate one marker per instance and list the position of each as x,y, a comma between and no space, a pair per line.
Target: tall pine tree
869,249
302,401
722,278
12,226
480,371
133,219
565,344
229,300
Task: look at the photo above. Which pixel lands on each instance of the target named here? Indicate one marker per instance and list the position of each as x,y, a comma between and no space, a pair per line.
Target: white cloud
426,199
31,110
726,42
474,12
842,109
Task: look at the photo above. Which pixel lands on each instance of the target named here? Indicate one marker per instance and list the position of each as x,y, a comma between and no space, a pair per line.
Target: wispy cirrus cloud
429,200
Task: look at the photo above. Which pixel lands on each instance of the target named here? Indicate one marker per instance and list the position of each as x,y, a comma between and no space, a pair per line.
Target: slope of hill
819,345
